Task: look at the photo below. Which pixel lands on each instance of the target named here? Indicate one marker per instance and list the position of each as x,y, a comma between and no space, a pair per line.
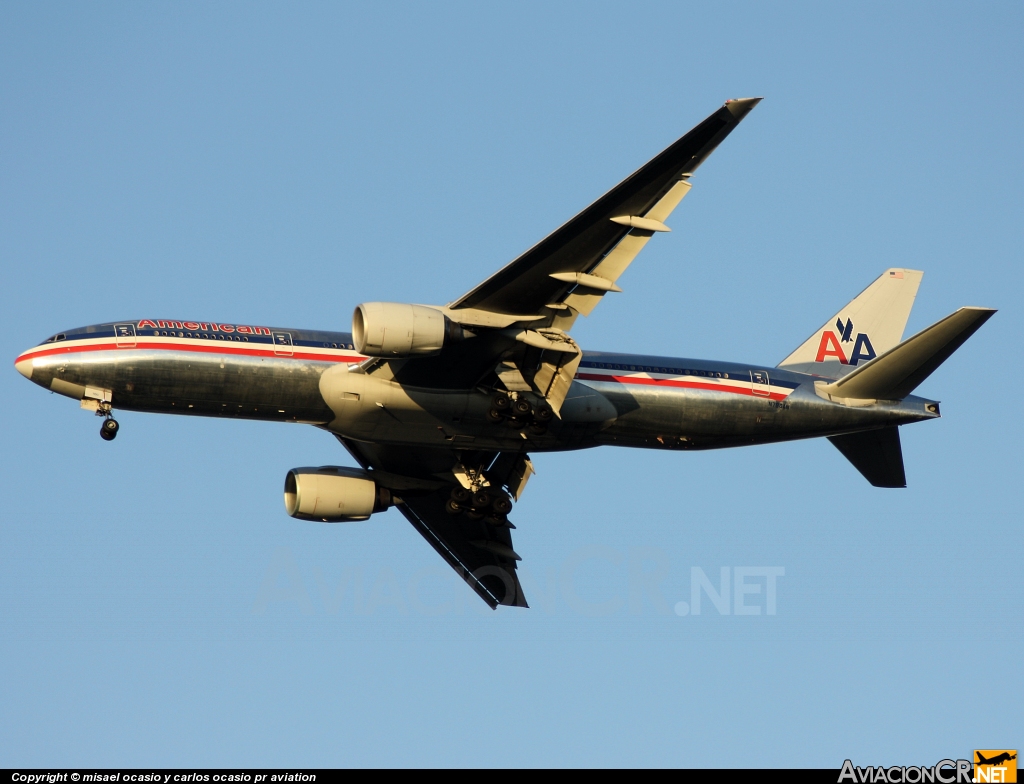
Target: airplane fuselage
292,375
441,405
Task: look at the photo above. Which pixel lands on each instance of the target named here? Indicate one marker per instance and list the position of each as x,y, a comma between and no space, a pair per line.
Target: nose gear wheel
109,428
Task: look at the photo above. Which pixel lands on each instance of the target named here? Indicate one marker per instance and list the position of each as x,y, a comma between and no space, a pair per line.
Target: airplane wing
518,322
637,206
534,301
479,552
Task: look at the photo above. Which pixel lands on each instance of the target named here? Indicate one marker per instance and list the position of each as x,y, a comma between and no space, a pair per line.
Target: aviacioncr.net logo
945,771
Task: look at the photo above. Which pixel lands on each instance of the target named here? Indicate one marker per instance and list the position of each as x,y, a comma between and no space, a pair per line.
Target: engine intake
333,494
394,329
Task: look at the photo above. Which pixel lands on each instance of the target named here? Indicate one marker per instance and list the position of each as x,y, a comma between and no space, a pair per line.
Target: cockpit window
55,338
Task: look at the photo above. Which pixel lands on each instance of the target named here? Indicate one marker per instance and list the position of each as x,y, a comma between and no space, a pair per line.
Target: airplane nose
24,366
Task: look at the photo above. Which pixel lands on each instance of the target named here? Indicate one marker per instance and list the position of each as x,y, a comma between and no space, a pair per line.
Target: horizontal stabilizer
877,454
897,372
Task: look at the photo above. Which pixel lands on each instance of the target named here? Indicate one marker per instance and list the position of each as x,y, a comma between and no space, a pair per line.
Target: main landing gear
487,504
519,414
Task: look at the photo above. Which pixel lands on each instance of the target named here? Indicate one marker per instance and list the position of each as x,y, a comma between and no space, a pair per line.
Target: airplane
999,759
441,406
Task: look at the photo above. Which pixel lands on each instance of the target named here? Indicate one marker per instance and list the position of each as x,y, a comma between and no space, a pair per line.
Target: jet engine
394,329
332,494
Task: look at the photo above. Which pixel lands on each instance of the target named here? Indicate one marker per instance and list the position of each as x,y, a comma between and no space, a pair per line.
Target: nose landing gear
108,430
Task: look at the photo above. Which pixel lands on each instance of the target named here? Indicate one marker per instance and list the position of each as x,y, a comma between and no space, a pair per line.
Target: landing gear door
283,344
759,383
124,335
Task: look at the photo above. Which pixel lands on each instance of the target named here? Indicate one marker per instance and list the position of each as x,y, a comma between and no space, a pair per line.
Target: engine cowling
333,494
394,329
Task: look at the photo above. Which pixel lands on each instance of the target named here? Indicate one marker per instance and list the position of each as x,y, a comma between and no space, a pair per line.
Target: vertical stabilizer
868,326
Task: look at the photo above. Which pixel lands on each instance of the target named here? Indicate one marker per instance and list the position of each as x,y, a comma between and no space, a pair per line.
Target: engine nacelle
333,494
394,329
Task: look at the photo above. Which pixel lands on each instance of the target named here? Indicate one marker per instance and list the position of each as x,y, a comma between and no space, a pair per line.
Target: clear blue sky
280,163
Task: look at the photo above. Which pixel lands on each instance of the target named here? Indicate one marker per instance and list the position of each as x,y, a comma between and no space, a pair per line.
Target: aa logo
995,765
831,344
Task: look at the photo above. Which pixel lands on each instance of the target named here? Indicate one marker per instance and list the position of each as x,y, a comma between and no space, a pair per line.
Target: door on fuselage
283,344
759,383
124,335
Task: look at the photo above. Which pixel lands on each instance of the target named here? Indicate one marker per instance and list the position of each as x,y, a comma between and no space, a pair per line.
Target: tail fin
897,373
870,325
877,454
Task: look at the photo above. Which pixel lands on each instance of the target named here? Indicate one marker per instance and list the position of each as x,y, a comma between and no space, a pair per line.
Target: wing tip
740,107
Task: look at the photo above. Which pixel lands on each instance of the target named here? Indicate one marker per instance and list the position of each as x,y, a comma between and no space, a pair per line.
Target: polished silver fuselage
314,377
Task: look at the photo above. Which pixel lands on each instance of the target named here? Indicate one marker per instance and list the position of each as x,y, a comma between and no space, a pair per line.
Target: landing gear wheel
494,415
502,505
108,430
521,406
501,402
460,496
538,429
452,508
482,500
544,413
